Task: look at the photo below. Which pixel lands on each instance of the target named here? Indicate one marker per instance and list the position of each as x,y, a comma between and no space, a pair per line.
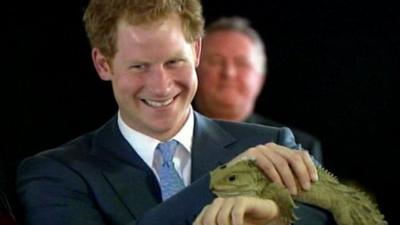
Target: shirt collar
145,145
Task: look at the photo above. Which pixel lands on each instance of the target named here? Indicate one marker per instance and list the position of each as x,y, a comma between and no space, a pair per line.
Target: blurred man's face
230,77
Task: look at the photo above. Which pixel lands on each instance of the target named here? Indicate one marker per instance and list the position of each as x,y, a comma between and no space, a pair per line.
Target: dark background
333,69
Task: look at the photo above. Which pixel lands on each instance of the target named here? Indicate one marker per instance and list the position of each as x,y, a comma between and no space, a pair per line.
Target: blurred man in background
232,73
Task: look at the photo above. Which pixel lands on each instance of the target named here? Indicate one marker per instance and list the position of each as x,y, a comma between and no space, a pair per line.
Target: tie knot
167,150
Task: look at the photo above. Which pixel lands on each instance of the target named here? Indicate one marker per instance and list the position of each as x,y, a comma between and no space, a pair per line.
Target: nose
229,69
160,81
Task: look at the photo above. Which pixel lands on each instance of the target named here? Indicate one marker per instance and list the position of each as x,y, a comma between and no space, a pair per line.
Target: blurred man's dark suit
307,141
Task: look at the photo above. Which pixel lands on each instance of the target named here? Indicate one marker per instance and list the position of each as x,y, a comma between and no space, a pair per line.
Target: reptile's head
240,178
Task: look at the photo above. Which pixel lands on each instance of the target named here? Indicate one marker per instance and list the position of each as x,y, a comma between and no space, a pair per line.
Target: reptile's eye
232,178
223,166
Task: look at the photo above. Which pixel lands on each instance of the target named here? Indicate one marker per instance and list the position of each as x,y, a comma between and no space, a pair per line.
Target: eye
138,67
175,62
214,60
223,166
242,63
232,178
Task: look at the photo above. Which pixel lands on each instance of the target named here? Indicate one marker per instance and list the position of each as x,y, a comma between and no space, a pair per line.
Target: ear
101,64
197,49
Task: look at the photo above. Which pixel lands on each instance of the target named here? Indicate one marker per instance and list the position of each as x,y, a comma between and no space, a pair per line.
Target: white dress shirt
145,147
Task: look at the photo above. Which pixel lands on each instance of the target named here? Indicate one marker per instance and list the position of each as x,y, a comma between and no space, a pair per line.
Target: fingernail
293,191
307,186
315,177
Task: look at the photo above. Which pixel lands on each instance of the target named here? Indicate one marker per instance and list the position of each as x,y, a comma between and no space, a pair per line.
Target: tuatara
348,205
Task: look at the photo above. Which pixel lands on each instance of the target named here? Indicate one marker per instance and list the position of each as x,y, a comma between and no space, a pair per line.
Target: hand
282,165
239,210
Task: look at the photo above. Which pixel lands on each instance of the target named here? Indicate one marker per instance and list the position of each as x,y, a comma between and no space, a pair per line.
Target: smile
158,104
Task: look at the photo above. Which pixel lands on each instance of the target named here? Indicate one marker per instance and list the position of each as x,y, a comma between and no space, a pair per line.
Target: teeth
159,104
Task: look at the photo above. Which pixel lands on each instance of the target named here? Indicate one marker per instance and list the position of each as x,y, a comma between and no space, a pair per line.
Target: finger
211,212
199,217
262,162
312,169
250,153
284,171
297,164
268,168
253,211
262,209
237,214
224,214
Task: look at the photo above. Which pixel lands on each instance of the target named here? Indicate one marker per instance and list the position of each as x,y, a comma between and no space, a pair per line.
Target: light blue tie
170,181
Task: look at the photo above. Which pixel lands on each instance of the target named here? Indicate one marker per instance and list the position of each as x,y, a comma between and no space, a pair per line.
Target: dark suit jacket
99,179
307,141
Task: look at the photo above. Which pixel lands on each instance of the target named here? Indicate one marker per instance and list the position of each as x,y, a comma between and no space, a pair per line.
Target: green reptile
348,205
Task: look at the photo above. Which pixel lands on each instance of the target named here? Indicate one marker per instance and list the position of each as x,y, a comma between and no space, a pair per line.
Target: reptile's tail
357,209
348,205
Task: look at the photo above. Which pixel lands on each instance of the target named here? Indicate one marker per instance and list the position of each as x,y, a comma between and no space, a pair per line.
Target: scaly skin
348,205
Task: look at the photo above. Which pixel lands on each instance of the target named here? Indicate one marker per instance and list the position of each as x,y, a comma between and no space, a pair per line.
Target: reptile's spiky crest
348,205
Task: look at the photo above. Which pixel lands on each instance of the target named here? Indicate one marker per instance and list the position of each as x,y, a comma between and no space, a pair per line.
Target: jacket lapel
125,171
135,188
134,181
210,146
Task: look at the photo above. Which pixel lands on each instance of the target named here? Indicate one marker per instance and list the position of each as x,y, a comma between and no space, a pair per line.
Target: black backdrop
332,72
